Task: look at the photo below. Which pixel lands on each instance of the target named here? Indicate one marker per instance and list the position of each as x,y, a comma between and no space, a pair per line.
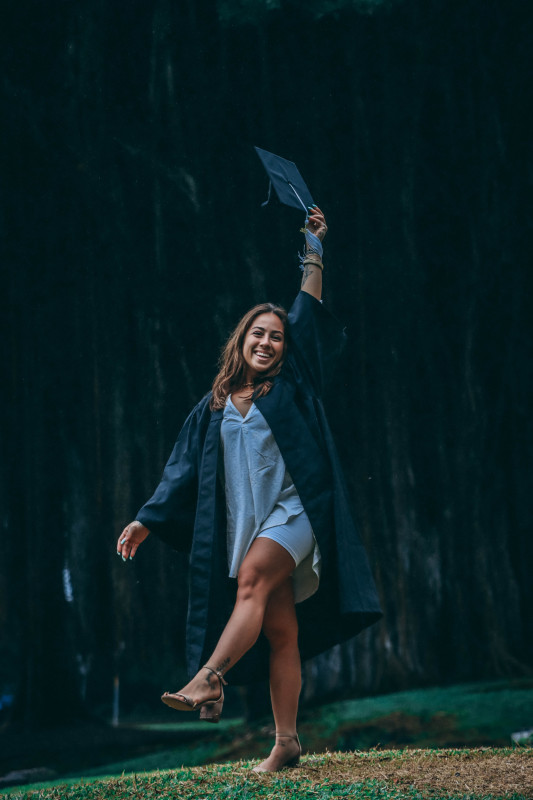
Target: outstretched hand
316,223
129,540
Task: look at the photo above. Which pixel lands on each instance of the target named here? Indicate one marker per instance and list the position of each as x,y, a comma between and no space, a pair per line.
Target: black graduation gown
188,510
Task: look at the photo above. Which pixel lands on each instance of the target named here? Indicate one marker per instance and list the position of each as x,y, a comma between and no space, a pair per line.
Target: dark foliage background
133,239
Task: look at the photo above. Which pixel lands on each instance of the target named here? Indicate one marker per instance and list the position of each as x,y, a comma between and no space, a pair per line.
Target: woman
254,488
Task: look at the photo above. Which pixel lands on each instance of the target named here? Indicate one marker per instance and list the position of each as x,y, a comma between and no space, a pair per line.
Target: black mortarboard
287,181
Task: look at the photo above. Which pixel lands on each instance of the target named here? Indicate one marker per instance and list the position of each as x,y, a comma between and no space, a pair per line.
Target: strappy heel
182,702
211,713
291,762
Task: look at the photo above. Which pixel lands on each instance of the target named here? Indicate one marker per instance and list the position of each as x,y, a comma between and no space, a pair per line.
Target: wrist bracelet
318,264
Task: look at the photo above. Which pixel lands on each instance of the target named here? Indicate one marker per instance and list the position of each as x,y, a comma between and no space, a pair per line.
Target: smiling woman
263,345
254,490
253,355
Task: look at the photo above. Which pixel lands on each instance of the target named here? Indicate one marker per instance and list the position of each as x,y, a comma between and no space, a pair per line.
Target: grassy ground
469,774
484,713
464,716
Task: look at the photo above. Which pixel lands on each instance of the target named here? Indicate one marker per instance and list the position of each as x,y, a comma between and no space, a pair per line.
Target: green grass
484,713
457,717
377,775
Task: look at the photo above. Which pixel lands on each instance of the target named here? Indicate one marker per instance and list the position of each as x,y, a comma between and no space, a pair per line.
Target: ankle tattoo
223,665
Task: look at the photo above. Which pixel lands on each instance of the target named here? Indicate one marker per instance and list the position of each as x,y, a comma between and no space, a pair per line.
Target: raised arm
312,264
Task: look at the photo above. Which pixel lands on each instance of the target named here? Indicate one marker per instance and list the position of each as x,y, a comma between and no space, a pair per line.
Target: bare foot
285,753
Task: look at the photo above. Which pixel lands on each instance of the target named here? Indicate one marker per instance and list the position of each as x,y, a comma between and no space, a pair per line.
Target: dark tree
132,242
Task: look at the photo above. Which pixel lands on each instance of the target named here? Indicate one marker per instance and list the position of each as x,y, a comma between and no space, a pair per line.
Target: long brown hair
232,364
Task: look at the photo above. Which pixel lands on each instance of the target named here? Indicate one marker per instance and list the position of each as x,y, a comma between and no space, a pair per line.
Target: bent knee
252,580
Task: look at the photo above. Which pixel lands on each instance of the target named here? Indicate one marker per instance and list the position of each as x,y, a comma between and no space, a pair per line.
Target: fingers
121,540
124,545
316,222
130,539
316,217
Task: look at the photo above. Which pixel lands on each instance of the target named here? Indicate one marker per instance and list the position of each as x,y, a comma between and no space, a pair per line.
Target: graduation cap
288,183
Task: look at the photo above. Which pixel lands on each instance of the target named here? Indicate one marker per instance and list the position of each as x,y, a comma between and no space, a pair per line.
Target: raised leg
266,567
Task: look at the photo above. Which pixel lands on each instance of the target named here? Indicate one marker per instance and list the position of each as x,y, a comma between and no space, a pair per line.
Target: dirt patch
478,771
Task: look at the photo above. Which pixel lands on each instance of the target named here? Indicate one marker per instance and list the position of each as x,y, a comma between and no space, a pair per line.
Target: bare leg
267,565
280,626
281,629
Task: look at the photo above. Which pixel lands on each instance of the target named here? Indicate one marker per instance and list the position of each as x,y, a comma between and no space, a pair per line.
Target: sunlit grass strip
372,775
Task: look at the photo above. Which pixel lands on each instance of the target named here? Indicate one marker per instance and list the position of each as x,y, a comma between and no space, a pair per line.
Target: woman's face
263,344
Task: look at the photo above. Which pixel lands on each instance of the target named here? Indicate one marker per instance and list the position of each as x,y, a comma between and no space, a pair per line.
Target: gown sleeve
170,512
317,339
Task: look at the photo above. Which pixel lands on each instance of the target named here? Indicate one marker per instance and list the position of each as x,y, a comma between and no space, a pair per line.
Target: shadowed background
133,240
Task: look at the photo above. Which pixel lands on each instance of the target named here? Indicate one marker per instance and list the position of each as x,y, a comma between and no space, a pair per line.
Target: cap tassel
298,196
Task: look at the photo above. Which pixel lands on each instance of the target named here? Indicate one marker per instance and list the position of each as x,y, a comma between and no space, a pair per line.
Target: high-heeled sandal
211,713
182,702
291,762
